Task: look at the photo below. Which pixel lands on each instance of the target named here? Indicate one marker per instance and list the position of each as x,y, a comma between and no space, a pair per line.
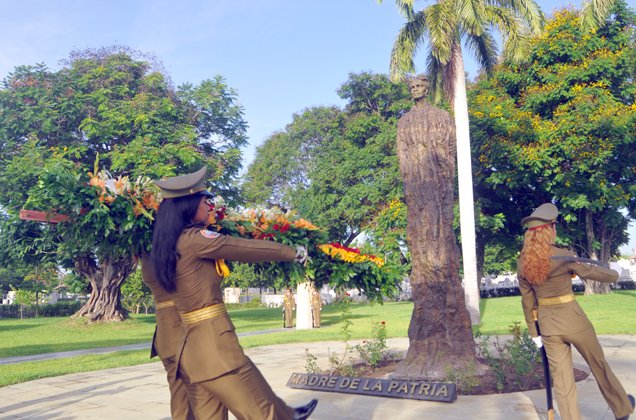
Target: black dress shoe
631,400
301,413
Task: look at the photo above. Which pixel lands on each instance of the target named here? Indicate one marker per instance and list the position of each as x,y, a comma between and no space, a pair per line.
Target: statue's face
418,88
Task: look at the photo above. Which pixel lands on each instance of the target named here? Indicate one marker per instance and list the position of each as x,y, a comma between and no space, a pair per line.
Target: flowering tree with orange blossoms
98,223
562,128
119,104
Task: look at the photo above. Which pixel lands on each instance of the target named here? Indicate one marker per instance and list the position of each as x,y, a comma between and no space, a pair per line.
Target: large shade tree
336,167
562,128
442,27
117,108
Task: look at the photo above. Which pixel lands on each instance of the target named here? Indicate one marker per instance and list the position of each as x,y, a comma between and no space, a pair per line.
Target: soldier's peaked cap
184,185
544,214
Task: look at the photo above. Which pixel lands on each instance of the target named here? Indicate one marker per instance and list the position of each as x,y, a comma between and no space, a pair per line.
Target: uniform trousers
244,392
315,312
179,403
188,402
559,351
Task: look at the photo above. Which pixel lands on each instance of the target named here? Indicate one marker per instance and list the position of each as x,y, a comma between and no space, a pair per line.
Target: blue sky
280,55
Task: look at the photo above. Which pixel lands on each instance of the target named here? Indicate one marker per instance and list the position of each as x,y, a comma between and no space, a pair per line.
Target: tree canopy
562,128
336,167
83,141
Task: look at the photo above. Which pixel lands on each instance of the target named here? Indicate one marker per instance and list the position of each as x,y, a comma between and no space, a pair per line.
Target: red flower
382,322
337,245
284,228
275,227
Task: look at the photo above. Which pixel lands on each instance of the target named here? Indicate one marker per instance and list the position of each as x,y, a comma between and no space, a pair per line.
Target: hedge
62,308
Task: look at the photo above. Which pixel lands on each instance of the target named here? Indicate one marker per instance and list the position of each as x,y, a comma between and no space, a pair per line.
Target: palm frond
470,14
595,12
515,31
408,40
484,49
443,29
529,12
435,71
405,7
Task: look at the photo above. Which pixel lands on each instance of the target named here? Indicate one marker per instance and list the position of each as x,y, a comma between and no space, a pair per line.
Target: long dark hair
173,216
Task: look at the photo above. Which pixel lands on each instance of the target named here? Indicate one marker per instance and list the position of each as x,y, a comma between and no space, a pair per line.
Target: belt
162,305
556,300
208,312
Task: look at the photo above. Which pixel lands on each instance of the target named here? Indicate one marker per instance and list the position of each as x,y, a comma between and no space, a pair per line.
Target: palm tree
443,26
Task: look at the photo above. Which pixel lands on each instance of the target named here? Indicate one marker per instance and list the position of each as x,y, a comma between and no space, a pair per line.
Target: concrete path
141,392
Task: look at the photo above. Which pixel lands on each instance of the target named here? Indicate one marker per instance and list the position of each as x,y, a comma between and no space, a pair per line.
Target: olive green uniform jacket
210,348
564,325
567,317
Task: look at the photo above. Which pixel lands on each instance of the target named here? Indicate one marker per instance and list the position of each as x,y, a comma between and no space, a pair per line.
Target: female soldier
545,282
209,356
289,304
164,344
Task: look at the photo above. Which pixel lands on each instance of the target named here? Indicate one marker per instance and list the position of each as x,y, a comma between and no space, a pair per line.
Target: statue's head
418,86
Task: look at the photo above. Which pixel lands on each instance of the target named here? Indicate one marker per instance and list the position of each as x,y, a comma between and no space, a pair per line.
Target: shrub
10,311
374,350
516,361
61,308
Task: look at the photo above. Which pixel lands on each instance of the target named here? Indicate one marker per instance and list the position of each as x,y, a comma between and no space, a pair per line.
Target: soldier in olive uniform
209,356
289,304
545,283
164,344
316,307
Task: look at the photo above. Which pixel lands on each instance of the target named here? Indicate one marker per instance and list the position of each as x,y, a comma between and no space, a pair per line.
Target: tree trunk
104,303
440,335
593,287
465,187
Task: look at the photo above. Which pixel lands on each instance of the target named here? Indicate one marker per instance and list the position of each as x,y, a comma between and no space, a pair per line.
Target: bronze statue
440,330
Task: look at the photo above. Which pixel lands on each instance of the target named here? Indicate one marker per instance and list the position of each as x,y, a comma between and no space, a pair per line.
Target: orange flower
304,224
150,201
138,208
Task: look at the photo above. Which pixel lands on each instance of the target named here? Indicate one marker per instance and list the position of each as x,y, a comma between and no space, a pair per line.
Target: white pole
303,306
465,187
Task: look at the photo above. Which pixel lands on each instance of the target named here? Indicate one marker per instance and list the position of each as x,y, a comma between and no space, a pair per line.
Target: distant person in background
545,282
316,307
289,304
184,259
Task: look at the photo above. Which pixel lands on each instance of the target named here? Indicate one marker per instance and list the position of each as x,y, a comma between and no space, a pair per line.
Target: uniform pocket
222,324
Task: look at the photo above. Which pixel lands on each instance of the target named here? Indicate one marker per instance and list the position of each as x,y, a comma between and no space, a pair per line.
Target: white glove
301,254
537,341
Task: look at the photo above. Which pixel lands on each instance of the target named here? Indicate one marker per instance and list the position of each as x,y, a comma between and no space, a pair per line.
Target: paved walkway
141,392
102,350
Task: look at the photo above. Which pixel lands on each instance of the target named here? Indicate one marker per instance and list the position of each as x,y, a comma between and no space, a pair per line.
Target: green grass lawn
44,335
